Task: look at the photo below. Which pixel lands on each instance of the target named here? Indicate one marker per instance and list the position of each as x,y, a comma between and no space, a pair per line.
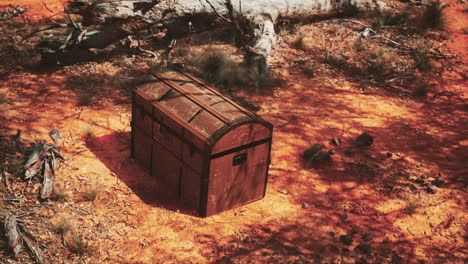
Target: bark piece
34,250
48,182
11,232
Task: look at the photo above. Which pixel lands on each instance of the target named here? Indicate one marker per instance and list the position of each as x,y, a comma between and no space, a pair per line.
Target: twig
148,52
56,25
76,153
377,35
216,12
48,9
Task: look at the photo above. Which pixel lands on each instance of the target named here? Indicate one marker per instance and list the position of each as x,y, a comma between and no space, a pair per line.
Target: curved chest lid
199,105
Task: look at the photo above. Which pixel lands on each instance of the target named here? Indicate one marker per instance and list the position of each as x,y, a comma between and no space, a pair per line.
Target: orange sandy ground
128,224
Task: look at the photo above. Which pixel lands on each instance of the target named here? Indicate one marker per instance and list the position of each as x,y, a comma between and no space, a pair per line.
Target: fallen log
104,23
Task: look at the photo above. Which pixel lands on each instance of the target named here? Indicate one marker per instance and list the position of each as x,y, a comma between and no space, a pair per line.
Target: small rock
283,191
361,261
439,181
389,155
367,237
364,248
355,230
345,250
56,135
305,205
312,152
344,216
331,151
349,152
346,239
323,156
364,140
432,189
335,142
332,234
334,249
413,187
419,180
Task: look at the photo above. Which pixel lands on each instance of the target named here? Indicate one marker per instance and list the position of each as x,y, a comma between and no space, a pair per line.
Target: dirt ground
378,196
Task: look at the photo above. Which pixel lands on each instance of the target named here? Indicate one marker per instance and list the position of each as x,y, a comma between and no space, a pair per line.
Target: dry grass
59,195
89,133
412,205
63,226
298,41
77,244
93,191
223,70
86,99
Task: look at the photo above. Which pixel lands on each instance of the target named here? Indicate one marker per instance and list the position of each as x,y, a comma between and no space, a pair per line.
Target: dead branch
5,15
376,35
17,234
34,250
4,175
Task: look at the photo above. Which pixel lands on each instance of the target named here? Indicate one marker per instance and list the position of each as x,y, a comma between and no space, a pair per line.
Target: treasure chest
209,151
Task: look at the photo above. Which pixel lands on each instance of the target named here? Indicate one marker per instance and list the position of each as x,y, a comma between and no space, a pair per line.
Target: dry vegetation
400,76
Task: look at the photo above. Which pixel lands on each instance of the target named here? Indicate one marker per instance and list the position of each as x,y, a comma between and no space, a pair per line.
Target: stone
420,180
367,237
362,261
305,205
346,239
432,189
334,249
364,140
364,248
335,142
354,230
332,234
312,152
389,155
349,152
331,151
283,191
439,181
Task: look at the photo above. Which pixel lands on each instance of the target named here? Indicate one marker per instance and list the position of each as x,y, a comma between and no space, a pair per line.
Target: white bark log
123,18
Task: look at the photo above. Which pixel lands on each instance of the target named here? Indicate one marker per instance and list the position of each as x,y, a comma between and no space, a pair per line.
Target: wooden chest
208,150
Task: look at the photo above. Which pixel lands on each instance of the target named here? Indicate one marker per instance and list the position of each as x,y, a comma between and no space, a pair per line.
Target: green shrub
421,90
377,64
85,99
220,69
298,41
421,59
308,71
433,16
78,245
